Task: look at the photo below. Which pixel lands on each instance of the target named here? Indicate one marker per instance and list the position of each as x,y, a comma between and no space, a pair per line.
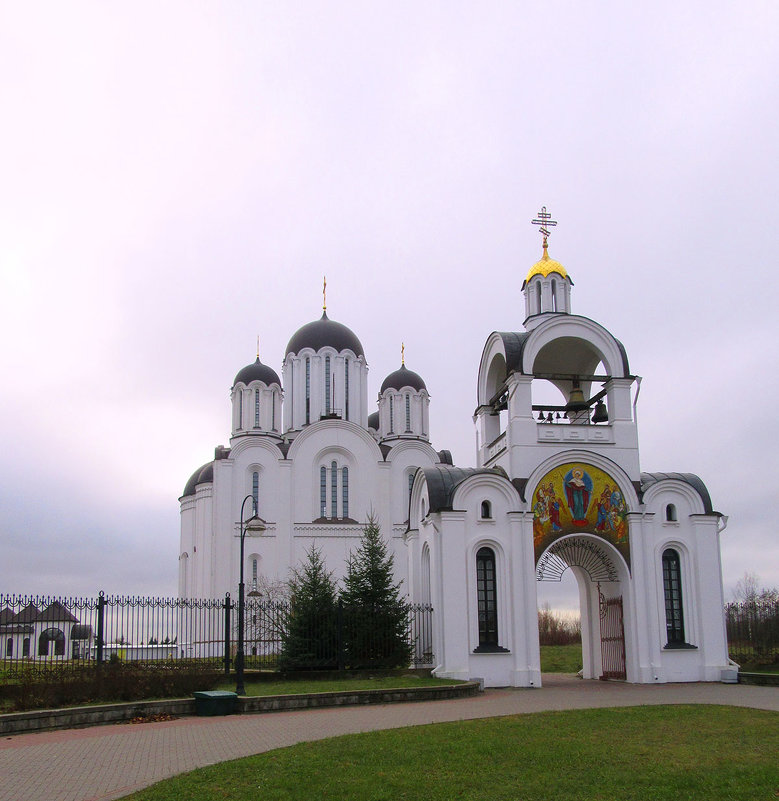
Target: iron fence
40,632
753,632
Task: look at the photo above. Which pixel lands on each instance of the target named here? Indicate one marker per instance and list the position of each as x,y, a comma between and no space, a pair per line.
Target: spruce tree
310,640
375,612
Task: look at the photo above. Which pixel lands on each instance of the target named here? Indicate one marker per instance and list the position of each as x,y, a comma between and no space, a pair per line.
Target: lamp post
254,523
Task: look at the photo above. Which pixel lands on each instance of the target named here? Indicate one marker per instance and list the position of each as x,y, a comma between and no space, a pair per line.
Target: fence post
340,635
100,626
227,607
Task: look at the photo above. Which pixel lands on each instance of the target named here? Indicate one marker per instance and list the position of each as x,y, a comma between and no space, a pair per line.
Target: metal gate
612,639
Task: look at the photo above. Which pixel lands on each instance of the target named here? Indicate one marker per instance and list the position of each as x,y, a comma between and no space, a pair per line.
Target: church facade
555,487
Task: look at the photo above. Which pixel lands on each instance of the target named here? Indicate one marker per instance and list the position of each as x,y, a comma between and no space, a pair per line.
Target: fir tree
375,613
310,640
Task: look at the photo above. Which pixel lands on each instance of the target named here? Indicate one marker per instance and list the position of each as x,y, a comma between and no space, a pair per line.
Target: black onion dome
403,378
373,421
257,372
325,333
203,475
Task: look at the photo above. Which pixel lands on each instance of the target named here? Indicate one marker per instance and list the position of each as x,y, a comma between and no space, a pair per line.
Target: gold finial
545,222
258,346
402,353
324,294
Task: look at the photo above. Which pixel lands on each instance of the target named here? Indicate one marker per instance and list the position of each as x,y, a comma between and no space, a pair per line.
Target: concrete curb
764,679
79,717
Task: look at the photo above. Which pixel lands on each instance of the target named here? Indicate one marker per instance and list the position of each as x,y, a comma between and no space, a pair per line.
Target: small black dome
324,333
257,372
373,421
403,378
203,475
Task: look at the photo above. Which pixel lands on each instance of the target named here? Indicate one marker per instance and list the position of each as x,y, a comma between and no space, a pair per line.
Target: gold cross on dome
545,222
402,353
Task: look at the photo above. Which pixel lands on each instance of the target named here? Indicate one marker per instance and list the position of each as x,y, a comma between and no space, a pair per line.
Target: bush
67,685
555,628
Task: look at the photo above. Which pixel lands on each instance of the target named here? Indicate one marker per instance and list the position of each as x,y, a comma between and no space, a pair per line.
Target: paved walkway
107,762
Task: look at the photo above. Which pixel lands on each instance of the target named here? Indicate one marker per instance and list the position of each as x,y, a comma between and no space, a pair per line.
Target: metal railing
753,632
38,632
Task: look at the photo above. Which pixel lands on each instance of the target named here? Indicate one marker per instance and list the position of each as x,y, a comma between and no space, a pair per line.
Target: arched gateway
558,486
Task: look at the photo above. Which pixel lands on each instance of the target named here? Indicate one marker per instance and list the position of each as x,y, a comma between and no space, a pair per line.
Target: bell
576,402
540,417
601,414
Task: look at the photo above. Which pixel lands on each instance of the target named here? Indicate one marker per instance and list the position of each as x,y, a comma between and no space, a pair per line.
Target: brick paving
108,762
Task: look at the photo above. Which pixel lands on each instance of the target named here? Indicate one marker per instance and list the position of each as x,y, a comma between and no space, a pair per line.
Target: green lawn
302,686
561,658
641,753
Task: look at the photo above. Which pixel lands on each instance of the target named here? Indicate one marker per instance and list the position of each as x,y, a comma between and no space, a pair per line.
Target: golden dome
545,267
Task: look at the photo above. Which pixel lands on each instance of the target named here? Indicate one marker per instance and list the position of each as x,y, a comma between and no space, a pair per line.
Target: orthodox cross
258,346
402,353
324,294
545,222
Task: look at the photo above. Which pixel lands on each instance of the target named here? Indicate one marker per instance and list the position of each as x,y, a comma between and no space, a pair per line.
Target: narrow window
346,388
554,295
486,510
487,596
670,513
408,413
308,391
392,415
327,385
345,491
9,647
334,490
240,408
26,646
254,571
256,491
538,296
410,485
322,492
672,585
256,408
273,413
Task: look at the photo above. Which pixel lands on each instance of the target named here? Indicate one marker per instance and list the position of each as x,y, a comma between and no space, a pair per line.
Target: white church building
555,487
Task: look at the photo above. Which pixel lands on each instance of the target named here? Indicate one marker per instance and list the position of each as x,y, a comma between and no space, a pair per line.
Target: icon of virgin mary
578,489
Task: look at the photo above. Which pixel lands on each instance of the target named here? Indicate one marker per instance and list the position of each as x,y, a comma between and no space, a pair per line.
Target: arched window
256,407
410,485
346,388
334,490
240,408
486,510
392,414
273,412
51,635
254,573
672,586
538,295
256,491
26,646
323,492
345,491
487,599
408,413
670,513
308,391
9,647
554,295
327,385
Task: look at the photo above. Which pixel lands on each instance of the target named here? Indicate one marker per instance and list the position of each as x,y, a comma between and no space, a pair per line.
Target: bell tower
547,287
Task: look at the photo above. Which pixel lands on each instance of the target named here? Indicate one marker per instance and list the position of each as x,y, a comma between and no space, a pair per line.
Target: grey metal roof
257,372
443,480
403,377
325,333
56,612
203,474
649,479
373,421
81,632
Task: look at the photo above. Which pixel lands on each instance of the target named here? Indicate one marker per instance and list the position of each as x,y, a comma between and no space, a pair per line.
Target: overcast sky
175,179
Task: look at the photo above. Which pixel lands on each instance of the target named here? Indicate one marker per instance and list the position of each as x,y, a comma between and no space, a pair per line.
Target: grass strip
646,753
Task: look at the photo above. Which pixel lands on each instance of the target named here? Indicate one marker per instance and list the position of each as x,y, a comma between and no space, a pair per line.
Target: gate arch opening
599,571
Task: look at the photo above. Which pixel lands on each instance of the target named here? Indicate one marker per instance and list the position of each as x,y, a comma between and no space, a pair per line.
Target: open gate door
612,639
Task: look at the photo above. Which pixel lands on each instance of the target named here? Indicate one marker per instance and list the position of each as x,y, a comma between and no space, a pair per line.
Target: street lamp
254,523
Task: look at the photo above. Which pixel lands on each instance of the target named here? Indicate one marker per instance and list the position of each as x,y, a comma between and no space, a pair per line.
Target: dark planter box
215,702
